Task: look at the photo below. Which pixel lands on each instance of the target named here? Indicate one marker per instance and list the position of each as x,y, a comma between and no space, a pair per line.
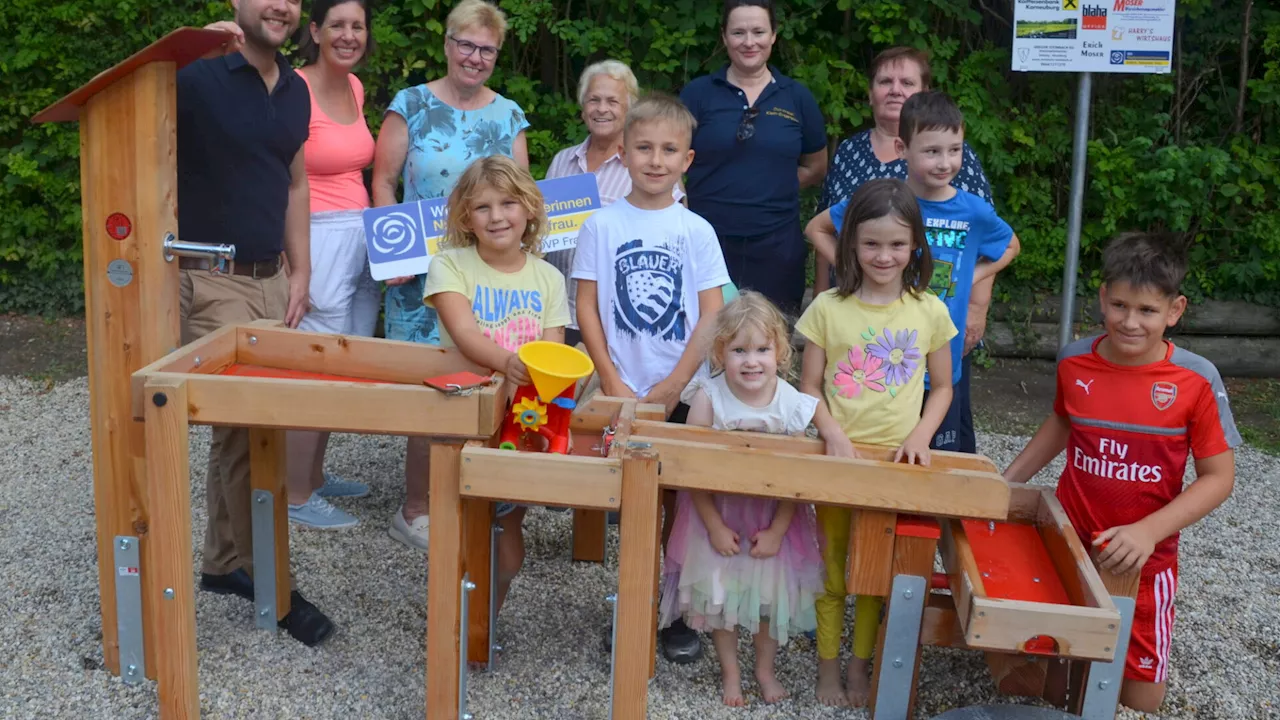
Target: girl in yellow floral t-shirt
869,341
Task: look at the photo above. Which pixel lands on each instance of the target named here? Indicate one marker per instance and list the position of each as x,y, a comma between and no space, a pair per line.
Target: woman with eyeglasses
429,136
760,138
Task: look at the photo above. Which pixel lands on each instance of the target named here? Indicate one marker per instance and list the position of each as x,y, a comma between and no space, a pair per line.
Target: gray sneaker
317,513
335,486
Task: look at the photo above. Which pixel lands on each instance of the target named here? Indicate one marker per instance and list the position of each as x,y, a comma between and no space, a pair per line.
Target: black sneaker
680,644
236,582
305,623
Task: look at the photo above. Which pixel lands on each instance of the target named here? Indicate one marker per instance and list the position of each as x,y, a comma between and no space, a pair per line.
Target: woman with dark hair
760,138
344,297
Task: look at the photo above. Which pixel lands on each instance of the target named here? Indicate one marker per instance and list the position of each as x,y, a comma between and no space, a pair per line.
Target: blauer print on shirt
946,239
649,291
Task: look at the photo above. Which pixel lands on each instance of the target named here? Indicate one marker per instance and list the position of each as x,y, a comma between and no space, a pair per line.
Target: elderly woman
760,139
429,136
896,74
605,93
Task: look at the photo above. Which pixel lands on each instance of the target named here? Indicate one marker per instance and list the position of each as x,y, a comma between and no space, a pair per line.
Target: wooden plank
800,445
864,484
870,565
1069,556
477,544
590,533
444,583
215,352
637,584
912,556
541,478
170,571
267,472
373,358
940,626
596,412
1018,675
336,406
962,570
1006,626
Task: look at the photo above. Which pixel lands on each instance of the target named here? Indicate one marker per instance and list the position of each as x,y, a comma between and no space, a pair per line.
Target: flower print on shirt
484,139
859,371
898,353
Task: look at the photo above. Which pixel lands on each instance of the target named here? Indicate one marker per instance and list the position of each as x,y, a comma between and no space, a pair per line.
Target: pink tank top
336,154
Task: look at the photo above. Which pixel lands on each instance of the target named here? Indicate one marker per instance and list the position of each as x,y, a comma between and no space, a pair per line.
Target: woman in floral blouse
896,74
429,136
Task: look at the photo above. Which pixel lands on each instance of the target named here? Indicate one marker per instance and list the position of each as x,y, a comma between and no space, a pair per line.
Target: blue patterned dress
443,141
855,162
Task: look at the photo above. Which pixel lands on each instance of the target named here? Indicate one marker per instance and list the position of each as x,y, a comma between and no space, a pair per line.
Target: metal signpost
1088,36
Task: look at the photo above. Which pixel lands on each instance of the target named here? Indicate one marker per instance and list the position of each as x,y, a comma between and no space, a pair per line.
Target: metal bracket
129,609
901,641
221,256
264,560
1102,691
494,532
464,600
613,649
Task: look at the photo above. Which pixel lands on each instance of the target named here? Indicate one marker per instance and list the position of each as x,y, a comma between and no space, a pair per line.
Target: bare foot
830,688
770,688
731,687
859,682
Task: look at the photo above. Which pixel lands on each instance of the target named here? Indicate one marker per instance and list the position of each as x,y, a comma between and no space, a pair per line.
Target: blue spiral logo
394,234
1117,57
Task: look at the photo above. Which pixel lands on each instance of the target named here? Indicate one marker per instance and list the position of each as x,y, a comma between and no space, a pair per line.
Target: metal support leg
1102,692
264,560
494,647
464,600
613,648
129,609
901,640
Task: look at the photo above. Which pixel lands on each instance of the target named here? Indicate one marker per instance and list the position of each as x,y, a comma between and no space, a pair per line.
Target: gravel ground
1226,661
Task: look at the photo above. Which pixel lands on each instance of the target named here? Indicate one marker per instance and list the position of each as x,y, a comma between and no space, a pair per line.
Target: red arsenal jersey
1131,431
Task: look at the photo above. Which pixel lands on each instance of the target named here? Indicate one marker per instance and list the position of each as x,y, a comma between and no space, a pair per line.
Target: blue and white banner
402,238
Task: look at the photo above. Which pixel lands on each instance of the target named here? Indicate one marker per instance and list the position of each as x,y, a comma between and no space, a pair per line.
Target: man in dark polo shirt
243,116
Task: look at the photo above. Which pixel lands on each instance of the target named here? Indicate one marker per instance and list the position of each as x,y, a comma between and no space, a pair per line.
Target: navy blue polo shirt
235,144
750,187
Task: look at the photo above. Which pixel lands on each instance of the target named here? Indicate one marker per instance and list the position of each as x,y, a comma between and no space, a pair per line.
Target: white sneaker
414,534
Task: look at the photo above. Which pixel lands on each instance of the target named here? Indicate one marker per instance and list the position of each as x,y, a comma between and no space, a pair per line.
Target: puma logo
1084,385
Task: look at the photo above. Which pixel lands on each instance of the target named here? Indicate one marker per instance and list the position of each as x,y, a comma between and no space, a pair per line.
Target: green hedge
1165,153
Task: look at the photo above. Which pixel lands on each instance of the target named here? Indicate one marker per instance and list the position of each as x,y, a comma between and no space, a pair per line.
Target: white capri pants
345,298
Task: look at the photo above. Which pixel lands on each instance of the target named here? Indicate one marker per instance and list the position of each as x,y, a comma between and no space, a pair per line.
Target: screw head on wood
159,399
253,339
168,593
197,362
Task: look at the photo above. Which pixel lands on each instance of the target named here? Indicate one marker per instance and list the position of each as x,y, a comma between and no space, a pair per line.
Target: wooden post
637,584
915,542
167,581
871,543
477,545
267,472
444,582
128,175
589,532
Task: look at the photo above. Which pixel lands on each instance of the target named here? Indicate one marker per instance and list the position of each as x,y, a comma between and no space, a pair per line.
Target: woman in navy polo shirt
760,138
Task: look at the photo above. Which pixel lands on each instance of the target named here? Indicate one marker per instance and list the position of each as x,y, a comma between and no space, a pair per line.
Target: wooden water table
1019,584
269,379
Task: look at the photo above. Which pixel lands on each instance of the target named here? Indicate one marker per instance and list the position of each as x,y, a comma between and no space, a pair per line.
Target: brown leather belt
260,269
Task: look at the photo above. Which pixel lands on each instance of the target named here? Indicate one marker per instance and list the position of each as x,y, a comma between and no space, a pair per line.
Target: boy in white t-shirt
649,274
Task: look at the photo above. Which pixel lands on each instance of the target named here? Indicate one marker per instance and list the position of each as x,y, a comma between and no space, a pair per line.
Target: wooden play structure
1045,603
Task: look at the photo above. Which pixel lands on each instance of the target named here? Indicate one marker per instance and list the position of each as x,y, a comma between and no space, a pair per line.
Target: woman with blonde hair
606,91
430,135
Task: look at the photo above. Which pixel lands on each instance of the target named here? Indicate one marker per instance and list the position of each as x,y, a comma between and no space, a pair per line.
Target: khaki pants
209,302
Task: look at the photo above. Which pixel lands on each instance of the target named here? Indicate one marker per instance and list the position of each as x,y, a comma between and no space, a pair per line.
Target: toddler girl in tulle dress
736,561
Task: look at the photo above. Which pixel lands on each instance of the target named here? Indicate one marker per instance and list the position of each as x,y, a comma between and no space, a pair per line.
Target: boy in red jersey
1129,407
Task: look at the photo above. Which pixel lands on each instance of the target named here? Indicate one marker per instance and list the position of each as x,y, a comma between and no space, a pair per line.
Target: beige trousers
209,302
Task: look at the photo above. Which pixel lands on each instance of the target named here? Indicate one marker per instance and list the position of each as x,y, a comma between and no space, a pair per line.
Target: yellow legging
834,523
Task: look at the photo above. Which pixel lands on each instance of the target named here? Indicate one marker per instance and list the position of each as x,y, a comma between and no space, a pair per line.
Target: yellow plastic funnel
554,366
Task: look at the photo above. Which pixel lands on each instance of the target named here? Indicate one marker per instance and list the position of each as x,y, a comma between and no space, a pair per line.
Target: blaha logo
1093,17
649,291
